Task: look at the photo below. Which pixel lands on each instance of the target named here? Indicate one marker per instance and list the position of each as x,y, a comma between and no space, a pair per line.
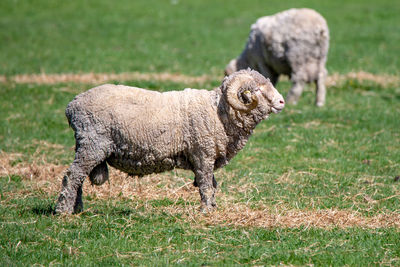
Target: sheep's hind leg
70,199
321,89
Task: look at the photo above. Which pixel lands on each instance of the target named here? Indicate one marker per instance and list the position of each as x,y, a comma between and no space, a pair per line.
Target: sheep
141,132
294,42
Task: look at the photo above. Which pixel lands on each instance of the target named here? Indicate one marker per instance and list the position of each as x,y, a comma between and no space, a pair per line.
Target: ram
142,132
294,42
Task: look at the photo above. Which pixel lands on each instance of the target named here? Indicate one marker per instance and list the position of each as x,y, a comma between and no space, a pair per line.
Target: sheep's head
248,91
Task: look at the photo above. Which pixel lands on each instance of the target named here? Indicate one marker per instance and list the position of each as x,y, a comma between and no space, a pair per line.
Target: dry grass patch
46,177
98,78
384,80
334,79
265,217
11,164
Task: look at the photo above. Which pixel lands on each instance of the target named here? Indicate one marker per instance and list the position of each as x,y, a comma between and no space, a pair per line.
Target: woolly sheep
294,42
142,132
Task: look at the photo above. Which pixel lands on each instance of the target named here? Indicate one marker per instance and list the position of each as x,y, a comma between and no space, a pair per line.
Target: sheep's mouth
276,110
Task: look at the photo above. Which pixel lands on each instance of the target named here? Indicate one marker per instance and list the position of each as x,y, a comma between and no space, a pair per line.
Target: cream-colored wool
294,42
142,132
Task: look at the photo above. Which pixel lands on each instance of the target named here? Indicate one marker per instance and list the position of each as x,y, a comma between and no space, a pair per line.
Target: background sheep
294,42
142,132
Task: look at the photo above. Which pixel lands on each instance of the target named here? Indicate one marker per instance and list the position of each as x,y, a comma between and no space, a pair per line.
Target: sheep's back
139,122
292,23
293,39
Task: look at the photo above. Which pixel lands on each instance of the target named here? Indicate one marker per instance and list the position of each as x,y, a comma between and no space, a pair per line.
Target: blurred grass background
191,37
344,156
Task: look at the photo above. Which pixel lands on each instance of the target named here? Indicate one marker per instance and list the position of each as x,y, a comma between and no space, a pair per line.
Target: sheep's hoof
62,210
78,208
319,104
63,206
207,209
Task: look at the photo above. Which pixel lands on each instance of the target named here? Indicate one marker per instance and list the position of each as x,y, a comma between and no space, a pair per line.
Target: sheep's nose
279,103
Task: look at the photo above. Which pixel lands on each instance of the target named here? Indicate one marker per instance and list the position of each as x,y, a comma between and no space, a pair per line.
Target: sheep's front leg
207,187
267,72
295,92
214,182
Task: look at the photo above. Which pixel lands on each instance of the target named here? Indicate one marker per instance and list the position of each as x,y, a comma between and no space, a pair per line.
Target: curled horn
232,96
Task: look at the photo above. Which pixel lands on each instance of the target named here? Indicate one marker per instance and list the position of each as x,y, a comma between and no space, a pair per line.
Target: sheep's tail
77,116
70,111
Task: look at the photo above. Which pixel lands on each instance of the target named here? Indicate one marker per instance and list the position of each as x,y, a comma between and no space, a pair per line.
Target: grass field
314,186
192,37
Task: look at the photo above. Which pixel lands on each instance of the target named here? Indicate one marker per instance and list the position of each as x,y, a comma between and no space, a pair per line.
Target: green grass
115,234
192,37
344,156
322,150
351,146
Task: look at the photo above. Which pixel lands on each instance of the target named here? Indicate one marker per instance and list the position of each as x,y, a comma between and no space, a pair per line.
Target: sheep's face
270,100
251,93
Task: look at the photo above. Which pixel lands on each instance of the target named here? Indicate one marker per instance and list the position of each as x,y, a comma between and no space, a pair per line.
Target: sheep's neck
238,129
